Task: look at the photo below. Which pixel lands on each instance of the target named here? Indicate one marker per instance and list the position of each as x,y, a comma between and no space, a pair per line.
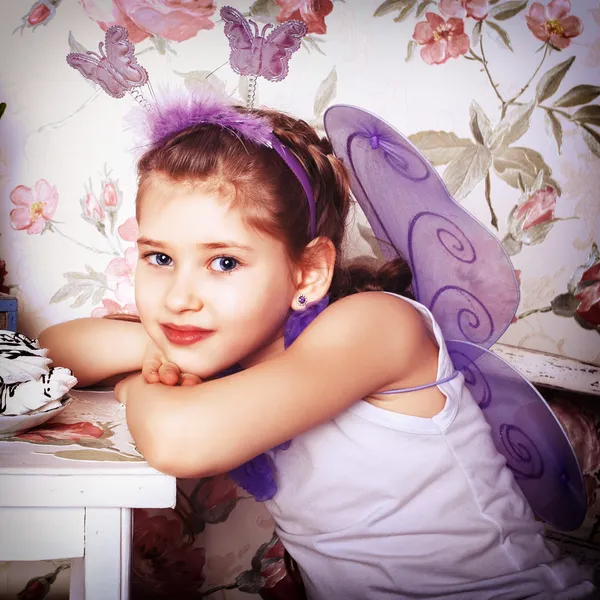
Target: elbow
163,447
182,466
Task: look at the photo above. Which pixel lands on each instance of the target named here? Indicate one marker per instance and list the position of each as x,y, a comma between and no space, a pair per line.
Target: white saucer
14,424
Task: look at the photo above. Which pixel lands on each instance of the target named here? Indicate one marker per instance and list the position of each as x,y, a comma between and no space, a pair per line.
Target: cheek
146,292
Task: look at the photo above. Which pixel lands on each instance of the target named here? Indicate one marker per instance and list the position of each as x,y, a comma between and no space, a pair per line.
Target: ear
315,272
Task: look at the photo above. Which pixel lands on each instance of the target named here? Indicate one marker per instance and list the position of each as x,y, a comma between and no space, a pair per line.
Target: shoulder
370,339
372,318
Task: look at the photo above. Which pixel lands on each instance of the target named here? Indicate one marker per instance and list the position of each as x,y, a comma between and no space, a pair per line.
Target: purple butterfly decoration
115,68
254,54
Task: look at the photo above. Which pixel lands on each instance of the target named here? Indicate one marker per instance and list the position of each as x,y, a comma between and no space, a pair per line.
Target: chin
200,366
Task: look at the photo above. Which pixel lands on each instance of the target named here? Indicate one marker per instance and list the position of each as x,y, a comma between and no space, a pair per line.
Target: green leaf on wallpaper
564,305
66,291
512,127
2,108
554,127
551,80
439,147
81,287
202,80
466,170
83,297
423,6
580,94
519,167
325,93
391,5
405,12
265,8
507,10
366,233
75,46
310,43
410,49
592,139
481,127
476,34
590,115
500,34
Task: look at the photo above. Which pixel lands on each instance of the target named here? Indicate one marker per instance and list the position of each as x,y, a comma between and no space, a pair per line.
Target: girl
400,495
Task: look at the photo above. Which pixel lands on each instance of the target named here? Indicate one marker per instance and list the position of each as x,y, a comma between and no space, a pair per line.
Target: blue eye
225,264
158,259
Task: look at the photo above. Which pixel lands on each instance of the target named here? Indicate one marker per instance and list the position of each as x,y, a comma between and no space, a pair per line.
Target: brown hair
271,197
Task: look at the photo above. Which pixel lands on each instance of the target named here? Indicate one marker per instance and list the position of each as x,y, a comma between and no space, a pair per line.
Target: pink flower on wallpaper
119,276
129,231
441,39
476,9
311,12
110,307
111,196
35,207
40,13
553,23
91,210
539,209
62,432
175,20
589,296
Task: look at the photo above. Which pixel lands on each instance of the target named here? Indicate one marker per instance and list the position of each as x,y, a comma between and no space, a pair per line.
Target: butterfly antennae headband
116,70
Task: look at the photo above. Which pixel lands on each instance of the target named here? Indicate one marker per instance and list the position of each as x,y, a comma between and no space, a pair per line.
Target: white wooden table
67,489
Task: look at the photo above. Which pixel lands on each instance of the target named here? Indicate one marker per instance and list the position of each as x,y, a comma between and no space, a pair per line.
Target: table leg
103,573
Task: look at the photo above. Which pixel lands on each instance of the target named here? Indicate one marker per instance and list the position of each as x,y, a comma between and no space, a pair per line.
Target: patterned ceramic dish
15,424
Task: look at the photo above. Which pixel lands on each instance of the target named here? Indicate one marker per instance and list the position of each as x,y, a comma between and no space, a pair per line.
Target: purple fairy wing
462,274
117,71
245,50
527,433
278,47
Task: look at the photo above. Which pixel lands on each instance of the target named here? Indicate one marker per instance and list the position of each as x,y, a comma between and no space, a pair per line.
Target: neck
271,350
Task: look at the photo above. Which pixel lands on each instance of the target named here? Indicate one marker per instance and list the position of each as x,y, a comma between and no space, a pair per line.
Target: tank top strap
422,387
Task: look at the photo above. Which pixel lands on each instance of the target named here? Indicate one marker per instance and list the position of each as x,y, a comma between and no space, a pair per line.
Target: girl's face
211,291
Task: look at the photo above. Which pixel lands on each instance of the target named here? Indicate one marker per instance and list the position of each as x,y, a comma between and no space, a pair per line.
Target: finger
188,379
150,371
169,373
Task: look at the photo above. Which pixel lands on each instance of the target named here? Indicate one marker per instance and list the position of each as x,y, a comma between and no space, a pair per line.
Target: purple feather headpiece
179,112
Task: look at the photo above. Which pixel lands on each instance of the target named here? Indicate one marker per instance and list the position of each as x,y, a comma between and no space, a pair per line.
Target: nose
182,295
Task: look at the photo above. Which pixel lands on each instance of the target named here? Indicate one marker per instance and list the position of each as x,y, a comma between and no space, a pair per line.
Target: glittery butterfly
254,54
115,68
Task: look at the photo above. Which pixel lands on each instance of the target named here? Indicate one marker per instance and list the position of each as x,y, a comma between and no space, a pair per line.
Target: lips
185,335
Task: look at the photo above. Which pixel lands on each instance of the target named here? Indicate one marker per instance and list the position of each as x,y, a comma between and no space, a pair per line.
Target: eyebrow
222,245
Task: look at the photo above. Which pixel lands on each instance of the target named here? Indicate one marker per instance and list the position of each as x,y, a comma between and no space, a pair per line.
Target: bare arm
96,349
358,345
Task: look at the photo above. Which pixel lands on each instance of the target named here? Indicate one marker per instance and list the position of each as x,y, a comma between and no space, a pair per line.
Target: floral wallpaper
500,95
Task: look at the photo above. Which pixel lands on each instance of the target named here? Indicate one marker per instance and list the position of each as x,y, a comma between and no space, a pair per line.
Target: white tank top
376,505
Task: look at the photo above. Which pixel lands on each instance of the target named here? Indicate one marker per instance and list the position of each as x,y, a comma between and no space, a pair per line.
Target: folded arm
358,345
96,349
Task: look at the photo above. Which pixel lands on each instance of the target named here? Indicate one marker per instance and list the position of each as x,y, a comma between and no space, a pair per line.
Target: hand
123,387
157,369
